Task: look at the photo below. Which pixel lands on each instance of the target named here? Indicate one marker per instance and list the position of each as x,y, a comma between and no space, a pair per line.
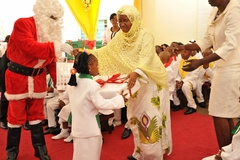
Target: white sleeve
114,103
234,155
104,40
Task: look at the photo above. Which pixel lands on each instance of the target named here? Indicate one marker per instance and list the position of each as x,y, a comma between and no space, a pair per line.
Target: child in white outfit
231,151
205,75
164,57
85,101
186,81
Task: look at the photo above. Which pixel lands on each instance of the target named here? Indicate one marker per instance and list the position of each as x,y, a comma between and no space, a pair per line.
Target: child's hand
205,66
179,84
124,96
50,90
218,155
166,151
61,104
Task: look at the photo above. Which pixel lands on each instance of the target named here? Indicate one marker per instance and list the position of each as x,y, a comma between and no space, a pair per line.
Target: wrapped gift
112,86
63,74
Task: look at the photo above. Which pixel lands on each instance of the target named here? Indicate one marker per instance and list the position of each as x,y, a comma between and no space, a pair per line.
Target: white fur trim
15,96
30,86
30,94
34,122
14,125
24,95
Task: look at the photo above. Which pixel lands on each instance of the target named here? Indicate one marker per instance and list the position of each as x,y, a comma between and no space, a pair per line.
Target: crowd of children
190,84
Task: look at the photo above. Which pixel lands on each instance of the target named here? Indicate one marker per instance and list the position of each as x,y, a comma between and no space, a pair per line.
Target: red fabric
113,79
24,49
170,61
193,139
91,44
20,115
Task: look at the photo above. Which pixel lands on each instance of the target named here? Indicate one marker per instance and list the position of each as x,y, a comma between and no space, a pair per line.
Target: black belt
17,68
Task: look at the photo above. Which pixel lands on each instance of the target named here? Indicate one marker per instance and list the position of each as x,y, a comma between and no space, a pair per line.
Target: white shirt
85,102
108,35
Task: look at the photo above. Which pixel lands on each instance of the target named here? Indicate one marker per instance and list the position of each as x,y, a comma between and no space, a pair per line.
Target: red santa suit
34,45
24,49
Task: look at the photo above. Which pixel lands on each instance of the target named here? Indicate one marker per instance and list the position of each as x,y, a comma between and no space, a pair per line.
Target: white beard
48,29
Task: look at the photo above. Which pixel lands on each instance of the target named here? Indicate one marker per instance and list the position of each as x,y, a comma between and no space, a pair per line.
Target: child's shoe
68,139
63,134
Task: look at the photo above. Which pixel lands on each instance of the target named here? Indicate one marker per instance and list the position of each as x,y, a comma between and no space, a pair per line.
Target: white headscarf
129,51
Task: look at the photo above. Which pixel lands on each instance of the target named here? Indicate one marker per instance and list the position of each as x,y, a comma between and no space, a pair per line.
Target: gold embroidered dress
149,109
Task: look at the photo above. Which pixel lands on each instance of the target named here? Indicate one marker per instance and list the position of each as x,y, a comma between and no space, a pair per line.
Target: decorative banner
86,14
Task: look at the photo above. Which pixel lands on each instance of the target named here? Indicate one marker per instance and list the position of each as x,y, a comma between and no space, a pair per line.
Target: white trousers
198,90
51,105
187,89
87,148
45,107
64,114
176,100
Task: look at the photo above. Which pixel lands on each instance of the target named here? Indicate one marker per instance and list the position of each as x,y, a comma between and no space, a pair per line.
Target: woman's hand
179,84
132,77
218,155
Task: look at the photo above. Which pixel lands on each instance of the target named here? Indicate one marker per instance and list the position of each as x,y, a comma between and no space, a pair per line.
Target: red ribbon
170,61
113,79
91,44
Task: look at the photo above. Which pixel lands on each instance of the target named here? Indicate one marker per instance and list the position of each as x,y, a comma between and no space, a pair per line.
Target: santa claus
34,46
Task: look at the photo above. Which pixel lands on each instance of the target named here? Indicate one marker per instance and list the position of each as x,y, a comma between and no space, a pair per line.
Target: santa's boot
38,141
13,140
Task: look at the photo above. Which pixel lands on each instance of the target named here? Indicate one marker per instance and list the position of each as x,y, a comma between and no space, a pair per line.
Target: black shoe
202,104
55,131
131,158
45,122
48,131
126,133
4,125
190,111
26,126
176,108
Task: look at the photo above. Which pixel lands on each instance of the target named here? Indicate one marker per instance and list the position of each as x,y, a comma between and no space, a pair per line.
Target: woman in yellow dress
132,52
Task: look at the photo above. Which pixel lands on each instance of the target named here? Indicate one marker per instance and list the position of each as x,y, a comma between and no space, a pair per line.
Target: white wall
168,20
175,20
11,10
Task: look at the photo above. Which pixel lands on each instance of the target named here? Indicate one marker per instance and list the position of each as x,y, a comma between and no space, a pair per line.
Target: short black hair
112,16
166,45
